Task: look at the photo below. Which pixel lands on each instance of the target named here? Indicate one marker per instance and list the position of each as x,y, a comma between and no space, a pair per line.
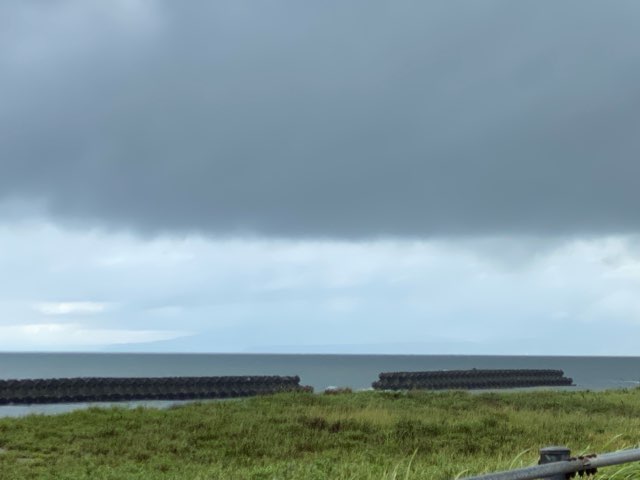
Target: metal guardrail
556,464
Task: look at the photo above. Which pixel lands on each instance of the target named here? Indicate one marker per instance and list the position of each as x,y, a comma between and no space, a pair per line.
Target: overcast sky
363,176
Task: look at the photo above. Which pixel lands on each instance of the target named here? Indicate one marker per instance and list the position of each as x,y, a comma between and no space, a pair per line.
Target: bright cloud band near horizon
99,291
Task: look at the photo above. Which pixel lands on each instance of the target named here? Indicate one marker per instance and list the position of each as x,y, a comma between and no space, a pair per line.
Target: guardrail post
554,454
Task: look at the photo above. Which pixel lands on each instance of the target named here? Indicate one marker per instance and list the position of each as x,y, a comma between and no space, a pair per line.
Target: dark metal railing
556,464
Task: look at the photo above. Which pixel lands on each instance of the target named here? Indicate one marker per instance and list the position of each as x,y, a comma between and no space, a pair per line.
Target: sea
318,371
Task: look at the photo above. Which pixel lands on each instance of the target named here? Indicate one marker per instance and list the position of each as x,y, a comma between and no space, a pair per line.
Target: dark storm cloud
343,119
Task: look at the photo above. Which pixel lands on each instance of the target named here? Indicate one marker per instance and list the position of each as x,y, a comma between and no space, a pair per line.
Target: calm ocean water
319,371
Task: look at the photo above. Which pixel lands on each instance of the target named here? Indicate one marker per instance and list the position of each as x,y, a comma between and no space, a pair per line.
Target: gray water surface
319,371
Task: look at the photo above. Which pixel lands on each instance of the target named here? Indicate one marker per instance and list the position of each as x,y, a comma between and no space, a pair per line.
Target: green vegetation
367,435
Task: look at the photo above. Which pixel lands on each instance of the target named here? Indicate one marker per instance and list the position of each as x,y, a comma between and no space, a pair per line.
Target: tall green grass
367,435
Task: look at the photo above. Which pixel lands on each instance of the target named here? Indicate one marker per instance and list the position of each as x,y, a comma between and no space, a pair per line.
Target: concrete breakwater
470,379
99,389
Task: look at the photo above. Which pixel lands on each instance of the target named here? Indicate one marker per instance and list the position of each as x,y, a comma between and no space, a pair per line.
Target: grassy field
367,435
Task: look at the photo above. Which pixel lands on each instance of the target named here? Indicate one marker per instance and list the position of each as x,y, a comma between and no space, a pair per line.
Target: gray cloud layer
344,119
